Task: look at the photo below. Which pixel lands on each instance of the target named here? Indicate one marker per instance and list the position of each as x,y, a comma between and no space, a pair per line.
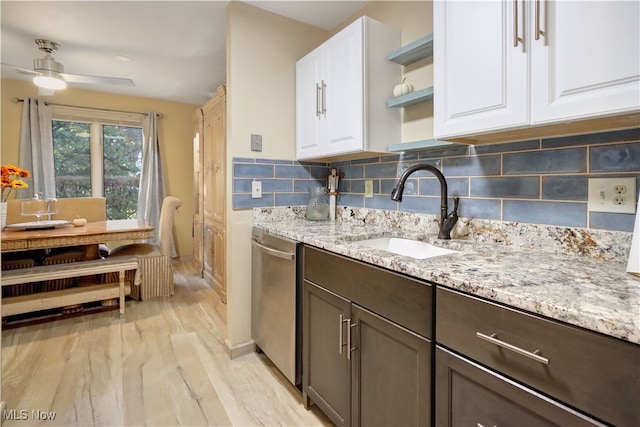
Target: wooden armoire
209,219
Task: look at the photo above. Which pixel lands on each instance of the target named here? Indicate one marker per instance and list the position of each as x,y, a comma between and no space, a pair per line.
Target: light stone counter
579,279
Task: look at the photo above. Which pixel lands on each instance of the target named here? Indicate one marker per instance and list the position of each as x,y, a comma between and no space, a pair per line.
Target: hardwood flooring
163,364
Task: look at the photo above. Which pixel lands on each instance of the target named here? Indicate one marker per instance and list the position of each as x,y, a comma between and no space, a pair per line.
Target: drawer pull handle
531,355
482,425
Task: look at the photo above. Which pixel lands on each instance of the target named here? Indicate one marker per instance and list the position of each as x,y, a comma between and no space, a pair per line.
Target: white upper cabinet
341,92
587,60
510,64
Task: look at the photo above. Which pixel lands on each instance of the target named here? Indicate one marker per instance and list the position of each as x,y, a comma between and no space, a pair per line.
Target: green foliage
122,161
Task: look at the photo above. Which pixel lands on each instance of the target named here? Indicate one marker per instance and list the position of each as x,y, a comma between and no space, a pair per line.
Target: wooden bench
70,296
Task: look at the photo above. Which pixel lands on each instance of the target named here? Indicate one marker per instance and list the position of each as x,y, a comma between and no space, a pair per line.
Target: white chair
156,270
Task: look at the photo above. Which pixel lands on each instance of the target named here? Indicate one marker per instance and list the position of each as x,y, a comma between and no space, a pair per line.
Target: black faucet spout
446,224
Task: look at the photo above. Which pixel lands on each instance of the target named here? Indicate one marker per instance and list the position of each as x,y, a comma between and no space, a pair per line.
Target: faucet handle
456,202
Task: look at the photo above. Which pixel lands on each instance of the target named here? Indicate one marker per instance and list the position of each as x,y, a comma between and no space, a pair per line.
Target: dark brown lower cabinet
362,369
359,367
468,394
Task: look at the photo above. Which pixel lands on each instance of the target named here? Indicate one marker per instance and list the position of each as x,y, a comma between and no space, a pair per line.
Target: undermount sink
406,247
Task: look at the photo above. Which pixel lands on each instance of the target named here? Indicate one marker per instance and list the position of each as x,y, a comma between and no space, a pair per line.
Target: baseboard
239,350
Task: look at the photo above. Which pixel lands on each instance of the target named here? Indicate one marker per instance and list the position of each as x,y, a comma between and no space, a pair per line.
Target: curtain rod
91,108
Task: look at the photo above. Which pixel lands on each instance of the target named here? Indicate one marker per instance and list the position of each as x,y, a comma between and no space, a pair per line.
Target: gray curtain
151,192
36,149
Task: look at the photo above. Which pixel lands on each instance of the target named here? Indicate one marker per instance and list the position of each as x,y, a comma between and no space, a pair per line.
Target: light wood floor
164,364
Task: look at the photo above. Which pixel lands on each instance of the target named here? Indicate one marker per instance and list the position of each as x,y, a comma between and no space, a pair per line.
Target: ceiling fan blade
21,70
97,80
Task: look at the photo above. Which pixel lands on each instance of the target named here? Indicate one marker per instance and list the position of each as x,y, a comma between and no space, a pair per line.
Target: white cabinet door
491,74
480,77
587,61
341,103
344,91
308,105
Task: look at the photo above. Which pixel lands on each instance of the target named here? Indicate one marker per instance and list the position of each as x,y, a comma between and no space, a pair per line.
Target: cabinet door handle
349,328
318,89
531,355
482,425
324,99
516,37
537,20
341,334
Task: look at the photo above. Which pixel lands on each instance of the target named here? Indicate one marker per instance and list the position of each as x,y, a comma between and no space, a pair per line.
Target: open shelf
426,144
411,98
414,51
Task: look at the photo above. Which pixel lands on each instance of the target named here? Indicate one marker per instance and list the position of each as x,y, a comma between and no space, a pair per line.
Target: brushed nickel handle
538,31
349,327
482,425
531,355
516,38
341,334
340,345
537,17
318,89
324,99
515,25
276,253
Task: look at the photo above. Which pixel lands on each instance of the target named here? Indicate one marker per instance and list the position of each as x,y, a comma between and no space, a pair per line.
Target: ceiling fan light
49,81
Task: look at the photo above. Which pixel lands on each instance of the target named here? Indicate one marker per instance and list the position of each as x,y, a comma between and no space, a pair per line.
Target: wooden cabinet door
198,185
219,262
218,147
468,394
391,373
480,77
587,61
326,377
208,251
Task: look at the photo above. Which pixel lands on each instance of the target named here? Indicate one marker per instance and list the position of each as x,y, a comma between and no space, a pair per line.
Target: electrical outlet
256,189
617,195
368,188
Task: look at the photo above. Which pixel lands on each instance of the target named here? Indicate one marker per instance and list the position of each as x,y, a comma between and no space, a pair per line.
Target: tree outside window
98,159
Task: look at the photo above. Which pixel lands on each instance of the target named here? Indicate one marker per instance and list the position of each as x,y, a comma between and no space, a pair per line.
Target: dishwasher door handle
284,255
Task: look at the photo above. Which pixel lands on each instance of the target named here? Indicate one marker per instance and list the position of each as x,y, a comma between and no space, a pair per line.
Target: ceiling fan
49,73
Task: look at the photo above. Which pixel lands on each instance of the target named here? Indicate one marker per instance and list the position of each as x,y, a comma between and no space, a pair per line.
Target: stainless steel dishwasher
275,301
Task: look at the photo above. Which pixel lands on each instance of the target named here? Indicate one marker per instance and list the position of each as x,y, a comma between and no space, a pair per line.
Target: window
98,154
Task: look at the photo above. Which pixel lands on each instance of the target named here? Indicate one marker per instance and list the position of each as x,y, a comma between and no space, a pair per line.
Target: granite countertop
595,294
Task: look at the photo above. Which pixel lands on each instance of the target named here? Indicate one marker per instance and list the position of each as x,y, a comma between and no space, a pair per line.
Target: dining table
90,235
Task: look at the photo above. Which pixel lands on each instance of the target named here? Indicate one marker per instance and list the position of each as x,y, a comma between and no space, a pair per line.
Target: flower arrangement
11,179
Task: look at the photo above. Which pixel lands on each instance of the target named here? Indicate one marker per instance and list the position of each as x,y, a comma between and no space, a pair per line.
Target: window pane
122,165
72,159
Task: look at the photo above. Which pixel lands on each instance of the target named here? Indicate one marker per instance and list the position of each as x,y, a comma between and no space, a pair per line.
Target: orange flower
10,179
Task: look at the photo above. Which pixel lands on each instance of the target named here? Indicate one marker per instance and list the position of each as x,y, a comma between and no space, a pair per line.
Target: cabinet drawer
597,374
395,297
468,394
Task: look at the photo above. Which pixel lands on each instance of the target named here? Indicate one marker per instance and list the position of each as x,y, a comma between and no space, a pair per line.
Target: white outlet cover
603,196
256,189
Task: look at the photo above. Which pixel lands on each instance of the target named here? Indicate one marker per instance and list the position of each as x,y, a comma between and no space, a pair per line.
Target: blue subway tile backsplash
542,181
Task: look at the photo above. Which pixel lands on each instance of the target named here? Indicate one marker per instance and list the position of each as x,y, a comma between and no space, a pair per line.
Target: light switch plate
256,142
616,195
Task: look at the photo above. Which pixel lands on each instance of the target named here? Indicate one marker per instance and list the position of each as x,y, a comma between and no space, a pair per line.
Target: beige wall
262,49
175,133
415,20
